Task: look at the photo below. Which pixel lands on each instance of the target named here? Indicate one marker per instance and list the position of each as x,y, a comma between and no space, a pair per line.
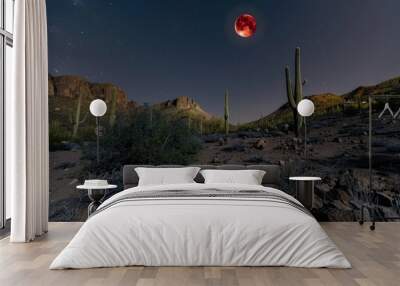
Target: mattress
201,225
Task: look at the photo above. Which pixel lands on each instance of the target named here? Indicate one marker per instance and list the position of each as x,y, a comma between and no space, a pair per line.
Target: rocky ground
66,202
338,152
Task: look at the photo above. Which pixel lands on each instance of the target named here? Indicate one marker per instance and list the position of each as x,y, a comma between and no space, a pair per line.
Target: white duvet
193,231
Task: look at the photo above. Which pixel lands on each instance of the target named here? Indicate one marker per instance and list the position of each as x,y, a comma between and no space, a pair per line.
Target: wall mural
188,84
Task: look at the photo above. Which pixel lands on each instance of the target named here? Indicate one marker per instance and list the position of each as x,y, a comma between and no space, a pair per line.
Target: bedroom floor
375,257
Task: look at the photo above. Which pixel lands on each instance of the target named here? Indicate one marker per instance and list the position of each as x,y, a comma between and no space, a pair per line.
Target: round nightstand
305,189
96,195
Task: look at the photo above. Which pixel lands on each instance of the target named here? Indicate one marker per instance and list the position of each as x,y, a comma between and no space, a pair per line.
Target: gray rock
260,144
234,148
211,138
65,165
384,200
285,127
216,160
71,146
255,159
338,140
297,140
277,133
249,134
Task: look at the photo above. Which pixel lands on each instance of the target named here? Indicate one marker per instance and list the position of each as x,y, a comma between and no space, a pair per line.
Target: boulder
277,133
234,148
248,134
71,146
338,140
384,199
257,159
297,140
216,160
211,138
65,165
260,144
285,127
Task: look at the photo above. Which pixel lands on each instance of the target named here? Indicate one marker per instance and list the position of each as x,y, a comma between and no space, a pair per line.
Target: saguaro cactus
149,110
78,119
113,111
294,99
201,126
226,113
189,122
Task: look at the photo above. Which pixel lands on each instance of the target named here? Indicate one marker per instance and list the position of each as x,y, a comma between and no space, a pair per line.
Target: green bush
57,134
139,138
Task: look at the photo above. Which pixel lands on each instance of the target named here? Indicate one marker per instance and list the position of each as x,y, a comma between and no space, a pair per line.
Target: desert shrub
57,134
139,138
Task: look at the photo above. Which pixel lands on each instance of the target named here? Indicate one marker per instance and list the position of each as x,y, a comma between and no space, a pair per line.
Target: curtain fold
28,124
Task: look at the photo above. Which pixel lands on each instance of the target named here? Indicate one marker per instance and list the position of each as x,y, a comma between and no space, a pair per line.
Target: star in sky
77,3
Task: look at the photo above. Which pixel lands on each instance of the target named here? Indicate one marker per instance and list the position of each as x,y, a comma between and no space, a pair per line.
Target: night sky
158,50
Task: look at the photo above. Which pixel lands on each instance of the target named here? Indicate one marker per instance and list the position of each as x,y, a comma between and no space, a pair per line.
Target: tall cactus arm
298,91
113,111
84,118
289,92
201,126
77,115
226,105
226,113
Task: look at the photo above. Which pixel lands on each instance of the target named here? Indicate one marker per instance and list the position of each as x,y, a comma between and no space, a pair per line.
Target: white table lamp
98,107
305,108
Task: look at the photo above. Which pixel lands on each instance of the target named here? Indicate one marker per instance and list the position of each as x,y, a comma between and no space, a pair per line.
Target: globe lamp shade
98,107
305,108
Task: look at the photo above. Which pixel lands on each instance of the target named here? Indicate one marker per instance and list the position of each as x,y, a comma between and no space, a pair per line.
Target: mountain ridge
390,86
72,86
326,102
183,104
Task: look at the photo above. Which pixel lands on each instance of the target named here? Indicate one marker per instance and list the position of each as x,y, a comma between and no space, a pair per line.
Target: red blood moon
245,25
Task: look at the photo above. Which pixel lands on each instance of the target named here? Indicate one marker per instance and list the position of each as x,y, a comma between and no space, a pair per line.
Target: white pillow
165,176
248,177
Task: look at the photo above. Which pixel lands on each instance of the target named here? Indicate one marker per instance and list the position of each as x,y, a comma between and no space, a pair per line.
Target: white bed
202,231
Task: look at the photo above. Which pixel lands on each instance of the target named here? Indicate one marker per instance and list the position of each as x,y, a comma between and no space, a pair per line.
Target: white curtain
27,124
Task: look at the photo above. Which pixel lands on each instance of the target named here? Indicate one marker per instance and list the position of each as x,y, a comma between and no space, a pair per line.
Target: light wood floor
375,257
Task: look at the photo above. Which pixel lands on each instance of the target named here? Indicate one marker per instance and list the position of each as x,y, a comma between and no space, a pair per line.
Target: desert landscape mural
179,131
208,96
